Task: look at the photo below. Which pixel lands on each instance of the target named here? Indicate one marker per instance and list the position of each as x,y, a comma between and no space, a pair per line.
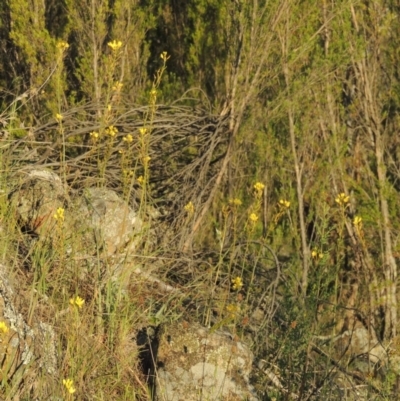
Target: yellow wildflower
235,202
117,86
128,138
94,135
69,385
164,56
153,96
77,301
143,131
189,208
258,186
59,215
315,254
59,117
232,310
62,45
112,131
115,45
342,199
357,221
284,203
253,217
237,283
128,173
140,180
146,159
4,328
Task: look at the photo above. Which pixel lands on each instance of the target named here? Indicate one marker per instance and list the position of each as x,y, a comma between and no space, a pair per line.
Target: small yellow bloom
315,254
164,56
357,221
153,96
112,131
232,310
342,199
235,202
59,117
128,138
117,86
4,328
189,208
69,385
146,159
59,215
115,45
109,107
253,217
128,173
77,301
258,186
140,180
121,151
143,131
62,45
94,135
284,203
237,283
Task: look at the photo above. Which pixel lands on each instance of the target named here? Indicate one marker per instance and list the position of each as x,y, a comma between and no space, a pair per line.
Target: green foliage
306,95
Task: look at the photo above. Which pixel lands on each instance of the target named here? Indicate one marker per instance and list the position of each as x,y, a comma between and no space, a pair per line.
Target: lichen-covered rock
196,363
106,222
22,346
109,223
359,341
37,199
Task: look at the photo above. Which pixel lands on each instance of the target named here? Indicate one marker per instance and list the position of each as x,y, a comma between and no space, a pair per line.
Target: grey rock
202,364
36,200
108,221
23,346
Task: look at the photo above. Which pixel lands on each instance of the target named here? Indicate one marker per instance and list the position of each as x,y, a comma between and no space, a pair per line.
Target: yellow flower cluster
235,202
62,45
189,208
128,173
253,217
258,186
232,310
59,214
59,117
164,56
315,254
284,203
69,385
237,283
115,45
128,138
342,199
143,131
357,221
4,328
112,131
117,86
77,301
94,135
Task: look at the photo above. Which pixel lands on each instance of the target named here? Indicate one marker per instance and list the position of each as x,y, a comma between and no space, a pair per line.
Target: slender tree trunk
368,71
